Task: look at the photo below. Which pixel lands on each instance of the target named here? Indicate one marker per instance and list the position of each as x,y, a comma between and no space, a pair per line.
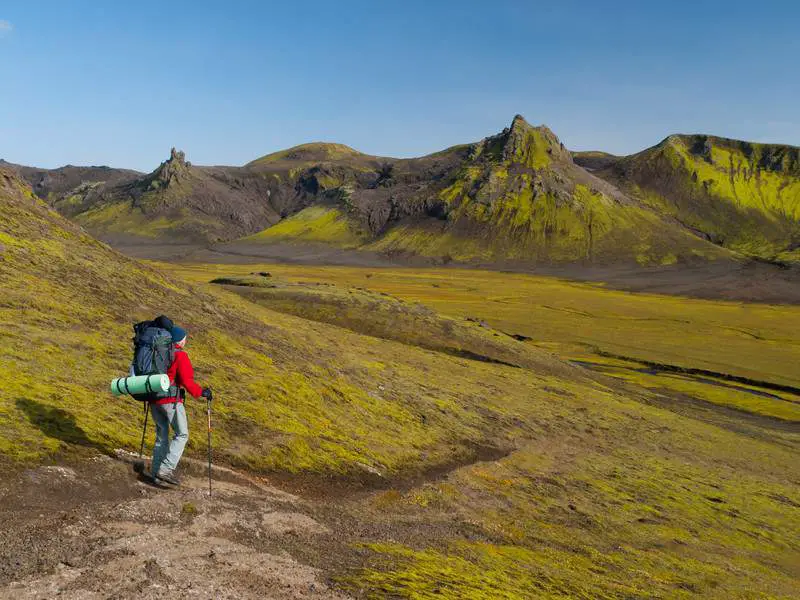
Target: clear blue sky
119,83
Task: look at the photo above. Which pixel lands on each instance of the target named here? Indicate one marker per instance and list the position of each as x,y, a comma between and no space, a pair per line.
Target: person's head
179,336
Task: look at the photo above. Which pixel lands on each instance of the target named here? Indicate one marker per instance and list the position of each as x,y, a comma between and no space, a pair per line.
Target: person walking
170,412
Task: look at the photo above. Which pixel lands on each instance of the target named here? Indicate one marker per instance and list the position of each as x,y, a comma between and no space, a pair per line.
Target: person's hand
207,393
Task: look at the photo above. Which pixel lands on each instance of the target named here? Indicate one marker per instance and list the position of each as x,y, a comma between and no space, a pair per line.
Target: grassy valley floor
670,472
755,341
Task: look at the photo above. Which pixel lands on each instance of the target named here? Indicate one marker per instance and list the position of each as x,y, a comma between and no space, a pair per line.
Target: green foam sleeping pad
138,384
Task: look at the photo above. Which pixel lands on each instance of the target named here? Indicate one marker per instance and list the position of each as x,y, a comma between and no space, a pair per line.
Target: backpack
153,354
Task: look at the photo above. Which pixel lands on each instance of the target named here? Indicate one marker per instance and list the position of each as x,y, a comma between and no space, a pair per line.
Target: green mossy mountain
519,197
513,198
516,198
314,152
740,195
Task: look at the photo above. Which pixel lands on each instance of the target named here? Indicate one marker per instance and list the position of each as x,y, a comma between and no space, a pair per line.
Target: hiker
170,411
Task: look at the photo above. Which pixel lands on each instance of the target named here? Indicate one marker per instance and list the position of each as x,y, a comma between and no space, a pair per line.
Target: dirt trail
95,531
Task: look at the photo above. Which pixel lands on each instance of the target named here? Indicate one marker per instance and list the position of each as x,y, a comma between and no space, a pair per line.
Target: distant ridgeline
518,197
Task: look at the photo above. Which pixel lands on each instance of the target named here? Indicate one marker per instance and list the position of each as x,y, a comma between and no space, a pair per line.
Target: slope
592,160
65,318
311,153
66,188
542,480
740,195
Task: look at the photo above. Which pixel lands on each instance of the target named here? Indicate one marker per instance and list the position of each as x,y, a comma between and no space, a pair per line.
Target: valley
734,338
399,301
404,409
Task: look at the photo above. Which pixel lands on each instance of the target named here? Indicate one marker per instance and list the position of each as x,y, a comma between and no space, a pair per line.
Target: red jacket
181,373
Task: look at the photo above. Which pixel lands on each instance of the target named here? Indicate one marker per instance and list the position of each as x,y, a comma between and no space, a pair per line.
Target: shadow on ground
55,423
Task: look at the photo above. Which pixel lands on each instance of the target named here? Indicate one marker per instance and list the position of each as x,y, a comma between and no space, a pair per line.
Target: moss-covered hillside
519,197
314,152
540,479
294,395
741,195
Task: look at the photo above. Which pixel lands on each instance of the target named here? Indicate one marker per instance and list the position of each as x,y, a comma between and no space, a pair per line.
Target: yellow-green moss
315,224
601,495
733,176
731,191
317,150
750,340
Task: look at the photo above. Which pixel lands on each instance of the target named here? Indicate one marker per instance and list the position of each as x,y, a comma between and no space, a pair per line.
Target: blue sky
120,83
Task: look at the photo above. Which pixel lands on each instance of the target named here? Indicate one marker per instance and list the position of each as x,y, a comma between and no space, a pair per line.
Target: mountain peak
519,121
175,167
536,147
178,156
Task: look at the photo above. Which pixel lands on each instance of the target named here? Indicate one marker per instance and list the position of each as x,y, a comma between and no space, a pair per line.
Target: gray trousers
167,452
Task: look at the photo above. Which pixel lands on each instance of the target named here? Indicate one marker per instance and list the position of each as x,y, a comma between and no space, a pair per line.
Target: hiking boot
168,477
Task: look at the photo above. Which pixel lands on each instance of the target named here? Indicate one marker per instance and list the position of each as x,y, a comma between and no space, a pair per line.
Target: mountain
739,195
515,198
66,186
177,201
314,152
518,196
592,160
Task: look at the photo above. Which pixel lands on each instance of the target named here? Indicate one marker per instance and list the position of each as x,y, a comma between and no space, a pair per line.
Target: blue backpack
153,354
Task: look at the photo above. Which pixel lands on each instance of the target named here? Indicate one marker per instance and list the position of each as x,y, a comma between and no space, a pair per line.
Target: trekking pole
208,411
144,430
140,464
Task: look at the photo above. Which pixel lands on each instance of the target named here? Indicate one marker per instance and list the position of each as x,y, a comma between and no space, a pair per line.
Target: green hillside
312,153
287,385
530,477
741,195
327,224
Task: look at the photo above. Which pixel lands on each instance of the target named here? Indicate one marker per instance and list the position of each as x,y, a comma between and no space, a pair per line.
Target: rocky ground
94,530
